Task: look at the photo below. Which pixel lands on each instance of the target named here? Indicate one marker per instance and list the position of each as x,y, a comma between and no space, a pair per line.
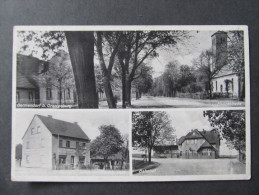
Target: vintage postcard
130,103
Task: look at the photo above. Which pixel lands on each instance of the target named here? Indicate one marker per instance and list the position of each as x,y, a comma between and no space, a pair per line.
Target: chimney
50,116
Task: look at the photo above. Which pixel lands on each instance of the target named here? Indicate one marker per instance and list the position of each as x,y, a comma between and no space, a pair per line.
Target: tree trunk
241,95
149,155
60,92
128,93
123,80
109,93
81,50
210,93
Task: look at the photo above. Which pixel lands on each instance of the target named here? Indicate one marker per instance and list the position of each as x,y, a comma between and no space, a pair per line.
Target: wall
55,99
40,146
24,96
221,81
68,152
194,147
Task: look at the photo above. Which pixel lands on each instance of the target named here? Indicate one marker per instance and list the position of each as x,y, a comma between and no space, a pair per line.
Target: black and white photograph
166,67
197,142
123,103
79,144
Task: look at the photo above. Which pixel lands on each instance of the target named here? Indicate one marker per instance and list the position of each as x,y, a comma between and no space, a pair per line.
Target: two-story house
199,144
55,144
30,89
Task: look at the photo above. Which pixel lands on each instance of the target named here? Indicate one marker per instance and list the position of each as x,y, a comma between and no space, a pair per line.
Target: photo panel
132,67
191,144
70,145
130,103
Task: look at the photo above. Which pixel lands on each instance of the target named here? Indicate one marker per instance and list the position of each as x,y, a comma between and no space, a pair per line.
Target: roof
212,137
28,68
219,32
180,141
165,147
206,145
63,128
23,81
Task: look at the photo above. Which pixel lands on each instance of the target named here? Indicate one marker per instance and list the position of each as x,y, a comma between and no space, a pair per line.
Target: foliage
109,142
150,128
175,78
231,125
42,44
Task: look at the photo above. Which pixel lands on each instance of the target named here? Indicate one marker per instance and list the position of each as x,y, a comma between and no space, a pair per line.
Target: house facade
226,82
30,89
55,144
199,144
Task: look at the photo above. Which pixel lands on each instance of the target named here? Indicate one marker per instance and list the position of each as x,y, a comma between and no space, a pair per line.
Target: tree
81,49
112,40
108,143
125,149
150,128
231,125
144,81
46,44
205,64
236,58
58,73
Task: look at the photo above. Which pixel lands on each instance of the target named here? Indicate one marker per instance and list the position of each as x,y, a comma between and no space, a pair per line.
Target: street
175,102
171,166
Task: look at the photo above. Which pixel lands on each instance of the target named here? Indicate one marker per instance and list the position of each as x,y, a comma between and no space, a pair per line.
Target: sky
184,121
200,41
88,120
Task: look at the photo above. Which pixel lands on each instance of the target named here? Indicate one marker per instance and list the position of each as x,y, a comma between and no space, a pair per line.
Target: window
68,144
33,131
17,97
27,159
68,93
72,160
30,96
62,159
38,129
221,88
216,85
48,93
60,143
59,94
232,84
83,145
27,145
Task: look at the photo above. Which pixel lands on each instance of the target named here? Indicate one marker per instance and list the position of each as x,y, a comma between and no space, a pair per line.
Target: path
171,166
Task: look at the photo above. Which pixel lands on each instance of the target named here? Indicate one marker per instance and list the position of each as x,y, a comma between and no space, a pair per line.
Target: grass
140,165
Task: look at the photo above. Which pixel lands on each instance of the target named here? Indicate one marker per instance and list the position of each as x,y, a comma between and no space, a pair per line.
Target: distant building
199,144
55,144
29,90
226,83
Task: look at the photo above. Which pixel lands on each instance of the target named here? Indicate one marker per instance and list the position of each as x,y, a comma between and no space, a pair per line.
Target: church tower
219,49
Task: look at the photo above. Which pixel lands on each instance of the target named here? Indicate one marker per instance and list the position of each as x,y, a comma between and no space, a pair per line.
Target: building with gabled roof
31,90
199,144
226,82
55,144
